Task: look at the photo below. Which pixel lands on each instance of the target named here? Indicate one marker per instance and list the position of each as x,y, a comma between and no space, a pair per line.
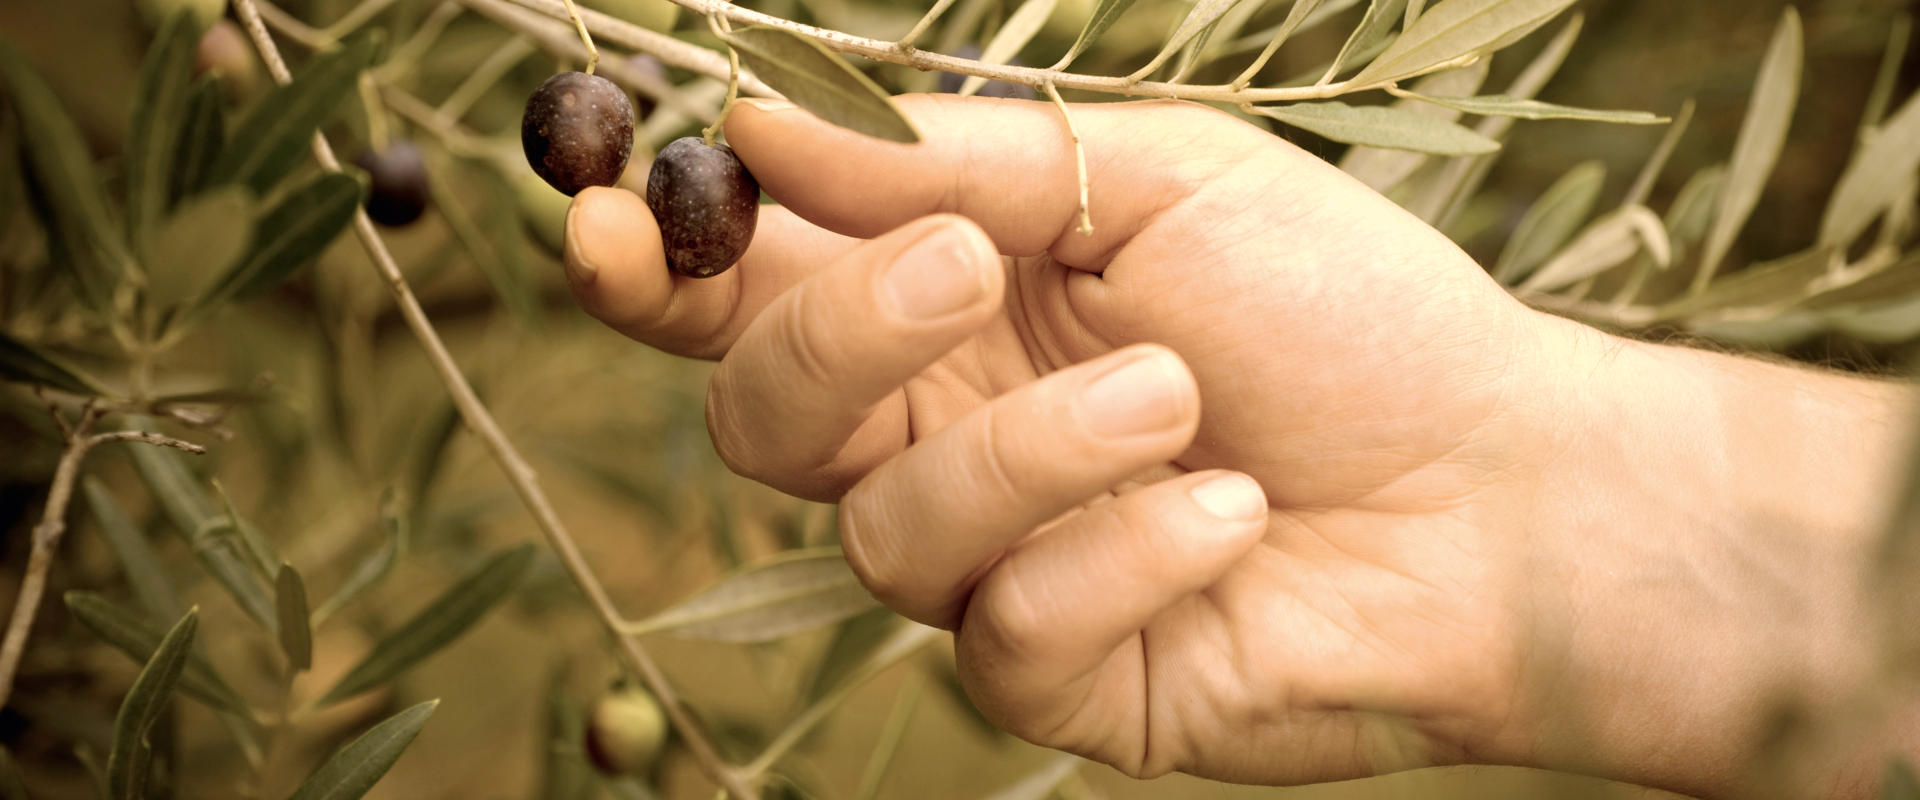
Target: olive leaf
1455,29
374,567
128,760
350,773
1762,135
1373,29
1889,75
1098,22
1013,35
1774,283
202,138
60,173
1039,784
1414,7
565,773
293,233
273,138
265,558
498,262
1385,169
437,625
1552,220
792,592
1382,126
290,599
1898,782
1296,18
204,237
159,118
130,546
20,361
1203,14
818,81
1607,243
127,632
178,493
1499,105
852,642
1879,175
1896,282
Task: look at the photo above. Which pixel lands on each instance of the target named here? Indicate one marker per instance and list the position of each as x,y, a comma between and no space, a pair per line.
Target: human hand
1255,482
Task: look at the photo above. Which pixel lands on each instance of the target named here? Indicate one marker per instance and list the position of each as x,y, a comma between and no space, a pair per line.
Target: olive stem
1079,158
484,76
721,29
379,135
593,53
920,28
519,473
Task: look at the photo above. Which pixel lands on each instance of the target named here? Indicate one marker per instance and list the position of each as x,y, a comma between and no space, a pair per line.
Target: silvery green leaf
292,234
818,81
1385,169
1894,283
1097,23
1372,30
274,137
437,625
20,361
135,554
1656,163
852,642
796,591
127,761
1552,220
1013,35
202,138
290,599
130,634
218,546
1880,174
1607,243
1454,29
1382,126
1761,333
265,558
352,772
1772,284
1889,75
1039,784
1296,19
369,572
1499,105
1203,14
160,116
175,488
1414,7
1762,135
203,238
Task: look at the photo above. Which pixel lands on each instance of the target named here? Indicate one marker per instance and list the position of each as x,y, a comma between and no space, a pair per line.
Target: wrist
1700,525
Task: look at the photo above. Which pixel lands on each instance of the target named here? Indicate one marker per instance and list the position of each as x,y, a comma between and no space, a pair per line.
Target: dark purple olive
651,67
398,175
706,203
950,82
578,131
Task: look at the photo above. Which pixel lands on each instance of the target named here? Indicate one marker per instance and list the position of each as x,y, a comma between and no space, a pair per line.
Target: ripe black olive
706,203
578,131
399,183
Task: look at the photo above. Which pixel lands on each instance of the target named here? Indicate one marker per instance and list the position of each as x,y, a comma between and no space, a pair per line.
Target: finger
920,528
619,274
1007,165
815,364
1056,607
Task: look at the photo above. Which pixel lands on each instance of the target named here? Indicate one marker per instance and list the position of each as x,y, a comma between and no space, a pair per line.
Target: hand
1255,482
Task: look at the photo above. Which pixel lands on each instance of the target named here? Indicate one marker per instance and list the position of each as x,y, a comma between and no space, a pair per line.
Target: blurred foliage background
343,411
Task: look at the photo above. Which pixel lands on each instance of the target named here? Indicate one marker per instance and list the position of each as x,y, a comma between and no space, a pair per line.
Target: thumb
1007,165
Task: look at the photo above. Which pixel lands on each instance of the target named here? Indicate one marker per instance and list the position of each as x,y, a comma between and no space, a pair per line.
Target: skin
1265,480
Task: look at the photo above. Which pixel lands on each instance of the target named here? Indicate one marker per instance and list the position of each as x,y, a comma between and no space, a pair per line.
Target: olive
399,183
706,203
224,52
578,131
950,82
625,731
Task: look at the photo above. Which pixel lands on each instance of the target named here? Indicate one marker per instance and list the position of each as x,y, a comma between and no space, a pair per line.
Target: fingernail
1233,496
766,104
578,267
1142,396
932,278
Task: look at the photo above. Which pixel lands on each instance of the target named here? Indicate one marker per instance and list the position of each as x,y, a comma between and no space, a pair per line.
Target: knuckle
807,341
734,446
1014,622
866,551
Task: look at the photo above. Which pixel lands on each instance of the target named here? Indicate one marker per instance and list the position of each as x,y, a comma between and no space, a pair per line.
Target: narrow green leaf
1657,163
1453,29
1607,243
1039,784
1879,175
565,773
1499,105
127,761
20,361
290,599
437,625
273,138
1897,282
1203,14
350,773
818,81
1385,169
1774,283
12,785
1297,16
1098,22
202,138
1372,30
1382,126
1013,35
1898,781
218,546
129,544
158,119
292,234
174,487
853,641
1561,210
1762,135
128,633
1414,7
261,551
369,572
1889,75
795,591
486,249
203,238
880,758
61,171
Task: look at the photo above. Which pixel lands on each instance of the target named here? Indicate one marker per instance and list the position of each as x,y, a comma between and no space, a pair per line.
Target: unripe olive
950,82
706,203
205,12
224,52
577,131
625,732
398,177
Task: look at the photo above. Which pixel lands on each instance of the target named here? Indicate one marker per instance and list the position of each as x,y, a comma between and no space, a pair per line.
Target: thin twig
926,21
484,76
593,53
1079,159
555,37
53,525
521,475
